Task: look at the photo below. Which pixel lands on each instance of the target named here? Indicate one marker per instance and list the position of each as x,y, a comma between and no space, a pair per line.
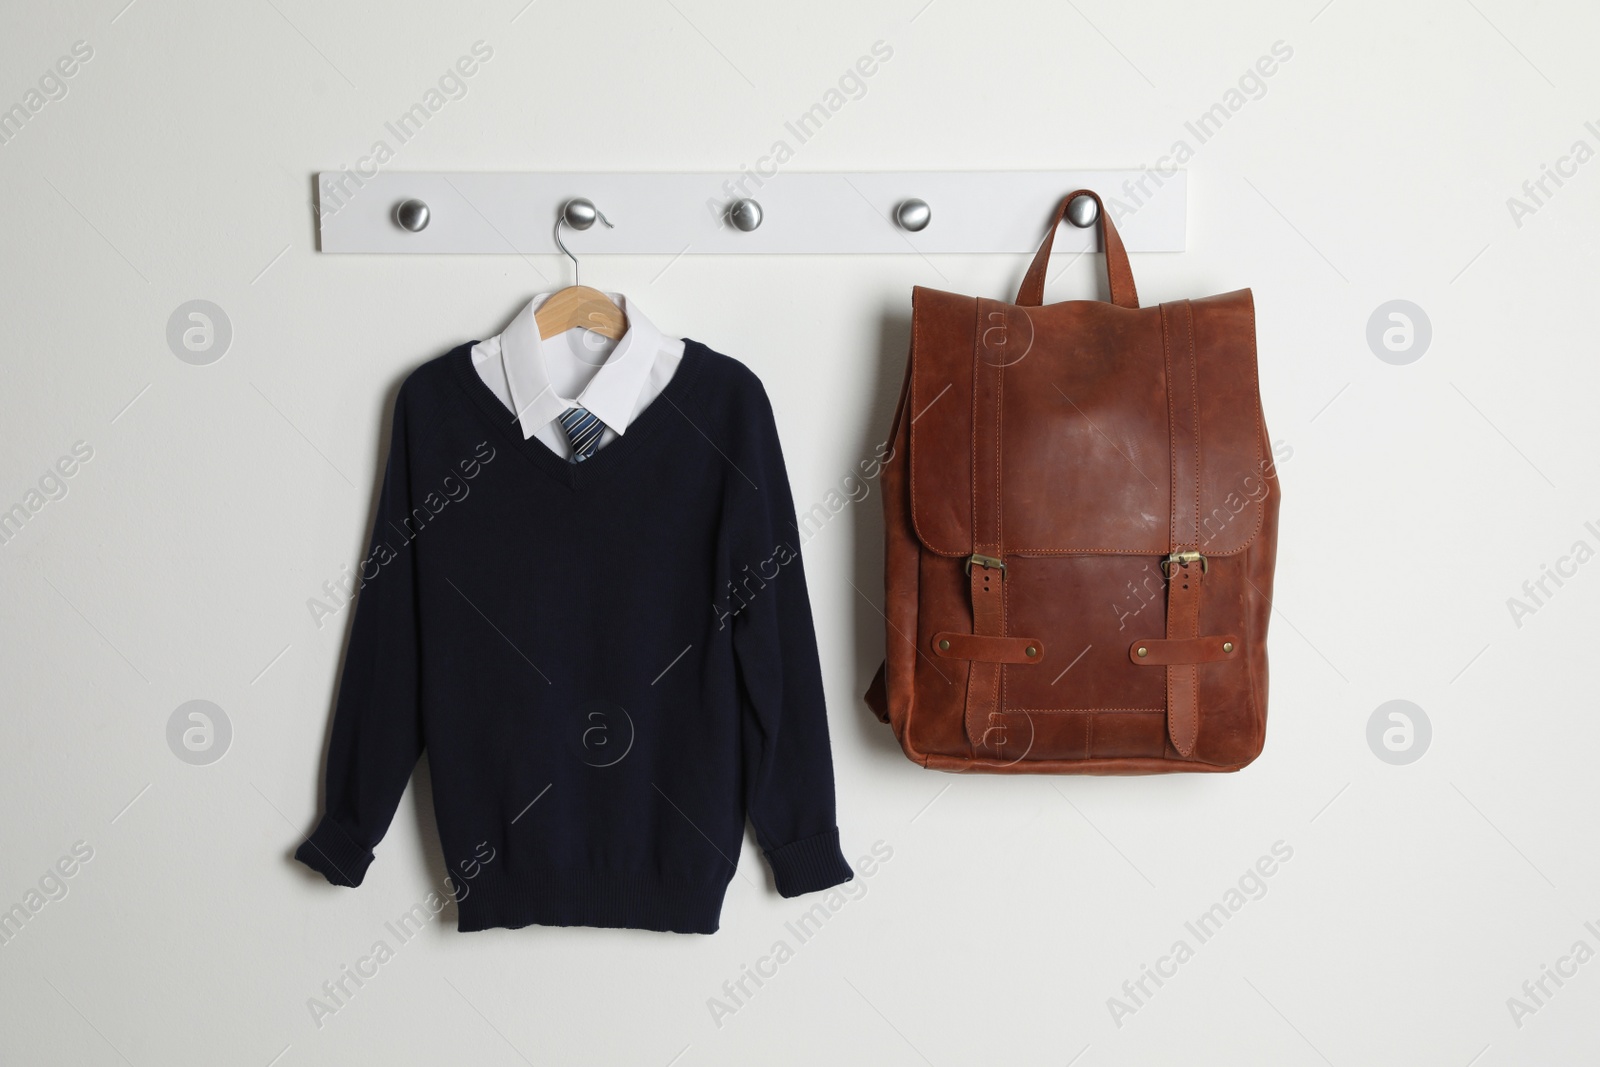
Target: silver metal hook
579,213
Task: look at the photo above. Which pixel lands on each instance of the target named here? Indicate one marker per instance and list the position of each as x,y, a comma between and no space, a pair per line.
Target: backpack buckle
1183,559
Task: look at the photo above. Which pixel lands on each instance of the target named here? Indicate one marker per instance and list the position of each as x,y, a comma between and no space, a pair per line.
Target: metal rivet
745,214
1032,651
411,215
1142,652
1227,646
913,215
944,644
1083,211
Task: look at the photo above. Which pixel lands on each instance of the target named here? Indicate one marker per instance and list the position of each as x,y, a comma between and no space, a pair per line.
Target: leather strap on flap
986,567
1161,653
1119,275
1184,578
1183,681
983,677
988,649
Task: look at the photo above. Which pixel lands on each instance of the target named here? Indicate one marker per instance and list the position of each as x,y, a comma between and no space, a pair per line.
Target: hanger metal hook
579,213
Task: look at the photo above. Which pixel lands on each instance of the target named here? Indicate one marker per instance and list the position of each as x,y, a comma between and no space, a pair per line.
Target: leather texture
1085,478
1161,653
990,649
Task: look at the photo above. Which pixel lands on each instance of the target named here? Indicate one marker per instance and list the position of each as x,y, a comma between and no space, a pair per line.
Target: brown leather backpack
1082,520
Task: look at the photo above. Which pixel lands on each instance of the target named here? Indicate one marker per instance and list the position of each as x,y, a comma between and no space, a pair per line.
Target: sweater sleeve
788,765
377,724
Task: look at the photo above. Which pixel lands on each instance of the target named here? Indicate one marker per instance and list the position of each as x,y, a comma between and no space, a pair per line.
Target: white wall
1375,166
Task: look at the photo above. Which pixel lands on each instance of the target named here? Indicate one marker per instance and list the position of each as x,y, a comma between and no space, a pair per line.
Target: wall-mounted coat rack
674,213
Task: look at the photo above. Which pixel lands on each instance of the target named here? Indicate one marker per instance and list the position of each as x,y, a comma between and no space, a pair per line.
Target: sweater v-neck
662,411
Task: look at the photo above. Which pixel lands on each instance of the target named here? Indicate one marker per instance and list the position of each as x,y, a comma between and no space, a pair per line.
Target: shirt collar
611,395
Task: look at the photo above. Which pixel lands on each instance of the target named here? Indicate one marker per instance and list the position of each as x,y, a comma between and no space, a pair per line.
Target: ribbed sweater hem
570,899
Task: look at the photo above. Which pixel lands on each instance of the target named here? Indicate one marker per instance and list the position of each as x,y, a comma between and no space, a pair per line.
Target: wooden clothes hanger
579,306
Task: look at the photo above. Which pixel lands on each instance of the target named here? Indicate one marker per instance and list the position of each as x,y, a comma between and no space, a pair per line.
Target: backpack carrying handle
1119,274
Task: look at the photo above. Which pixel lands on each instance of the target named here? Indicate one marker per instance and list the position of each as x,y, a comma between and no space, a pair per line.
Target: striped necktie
583,430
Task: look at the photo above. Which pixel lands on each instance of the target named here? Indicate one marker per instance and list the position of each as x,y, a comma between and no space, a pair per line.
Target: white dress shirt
539,378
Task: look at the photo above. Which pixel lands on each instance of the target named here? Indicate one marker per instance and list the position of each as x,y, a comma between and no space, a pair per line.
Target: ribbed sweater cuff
810,864
331,852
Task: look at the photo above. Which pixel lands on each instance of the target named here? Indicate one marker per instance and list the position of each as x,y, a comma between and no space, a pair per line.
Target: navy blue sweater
609,663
